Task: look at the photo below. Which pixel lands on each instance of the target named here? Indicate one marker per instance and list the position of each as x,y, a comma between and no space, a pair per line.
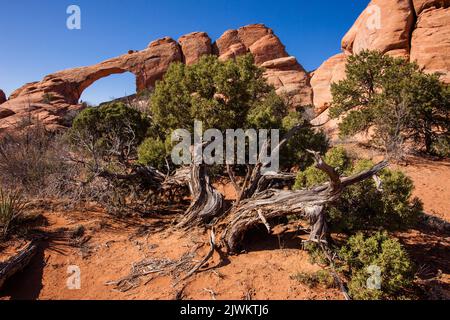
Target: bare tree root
212,243
18,262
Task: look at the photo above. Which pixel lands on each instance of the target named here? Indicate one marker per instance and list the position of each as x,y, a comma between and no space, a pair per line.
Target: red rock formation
431,39
289,79
418,30
282,71
331,71
195,45
59,93
50,99
385,25
2,97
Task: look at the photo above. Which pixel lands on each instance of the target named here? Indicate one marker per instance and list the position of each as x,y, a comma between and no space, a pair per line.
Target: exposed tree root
18,262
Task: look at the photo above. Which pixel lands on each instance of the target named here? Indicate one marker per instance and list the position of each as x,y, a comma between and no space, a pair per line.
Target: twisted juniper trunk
277,203
207,202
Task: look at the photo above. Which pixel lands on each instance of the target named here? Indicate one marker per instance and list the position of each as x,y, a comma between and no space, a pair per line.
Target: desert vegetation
118,156
402,104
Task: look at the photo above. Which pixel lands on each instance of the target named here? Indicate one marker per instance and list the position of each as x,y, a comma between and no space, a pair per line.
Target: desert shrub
316,253
48,98
312,280
294,154
441,147
362,206
35,161
362,256
12,205
113,131
311,176
153,152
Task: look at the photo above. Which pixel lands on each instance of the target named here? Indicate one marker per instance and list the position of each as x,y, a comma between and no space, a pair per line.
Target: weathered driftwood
17,263
277,203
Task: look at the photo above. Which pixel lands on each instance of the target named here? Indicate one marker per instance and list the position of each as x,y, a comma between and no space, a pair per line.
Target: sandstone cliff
418,30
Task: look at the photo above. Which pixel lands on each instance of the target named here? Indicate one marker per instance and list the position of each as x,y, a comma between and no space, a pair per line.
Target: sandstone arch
58,93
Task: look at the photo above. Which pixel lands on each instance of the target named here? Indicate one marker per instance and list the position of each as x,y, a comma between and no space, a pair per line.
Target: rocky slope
418,30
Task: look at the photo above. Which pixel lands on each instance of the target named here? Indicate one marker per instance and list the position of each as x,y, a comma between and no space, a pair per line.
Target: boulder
194,45
385,25
267,48
290,80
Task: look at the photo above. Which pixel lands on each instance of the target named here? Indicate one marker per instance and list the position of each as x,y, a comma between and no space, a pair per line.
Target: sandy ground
264,271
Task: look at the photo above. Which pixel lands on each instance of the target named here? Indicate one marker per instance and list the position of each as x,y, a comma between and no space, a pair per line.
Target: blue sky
36,42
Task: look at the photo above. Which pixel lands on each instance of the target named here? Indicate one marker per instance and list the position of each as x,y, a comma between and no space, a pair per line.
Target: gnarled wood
207,202
278,203
17,263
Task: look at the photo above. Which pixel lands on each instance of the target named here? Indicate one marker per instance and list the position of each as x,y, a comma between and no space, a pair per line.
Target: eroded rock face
289,79
195,45
431,40
58,94
2,97
385,25
282,71
418,30
421,5
331,71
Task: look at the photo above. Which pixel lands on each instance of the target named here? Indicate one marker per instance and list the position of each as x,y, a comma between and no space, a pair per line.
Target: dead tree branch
277,203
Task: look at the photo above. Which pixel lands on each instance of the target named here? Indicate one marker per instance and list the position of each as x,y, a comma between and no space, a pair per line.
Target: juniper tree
396,98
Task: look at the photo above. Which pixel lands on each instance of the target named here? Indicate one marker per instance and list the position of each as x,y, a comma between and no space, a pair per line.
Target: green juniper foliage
228,95
360,258
396,98
113,130
362,206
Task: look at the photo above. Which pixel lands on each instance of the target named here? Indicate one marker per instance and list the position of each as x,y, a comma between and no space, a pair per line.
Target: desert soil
109,247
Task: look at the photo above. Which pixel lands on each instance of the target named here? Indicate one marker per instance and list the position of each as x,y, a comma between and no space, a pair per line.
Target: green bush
362,206
294,154
311,176
441,147
361,257
12,208
396,98
112,130
313,280
230,95
152,152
